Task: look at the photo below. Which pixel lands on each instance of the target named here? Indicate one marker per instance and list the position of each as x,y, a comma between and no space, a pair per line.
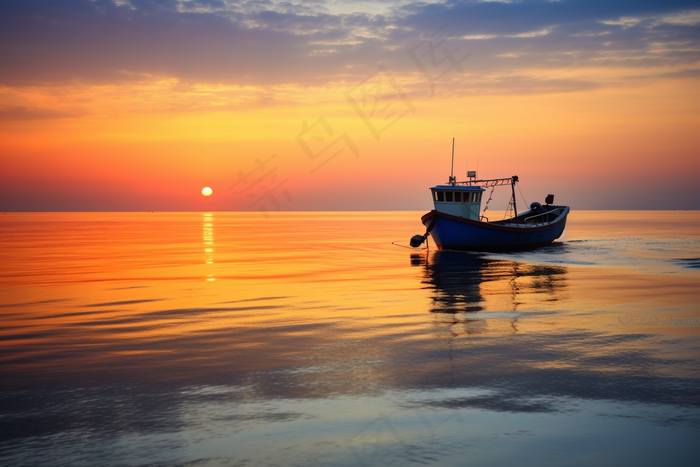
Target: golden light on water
326,309
208,237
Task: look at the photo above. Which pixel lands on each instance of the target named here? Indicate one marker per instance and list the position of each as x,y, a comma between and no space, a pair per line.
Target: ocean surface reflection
459,279
244,340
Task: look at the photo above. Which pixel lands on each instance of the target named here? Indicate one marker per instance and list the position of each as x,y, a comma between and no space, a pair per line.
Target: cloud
30,113
275,43
103,42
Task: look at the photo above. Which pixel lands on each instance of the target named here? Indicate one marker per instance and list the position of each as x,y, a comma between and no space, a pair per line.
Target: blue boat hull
457,233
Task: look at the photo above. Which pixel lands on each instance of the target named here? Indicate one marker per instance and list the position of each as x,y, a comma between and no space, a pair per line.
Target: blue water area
216,346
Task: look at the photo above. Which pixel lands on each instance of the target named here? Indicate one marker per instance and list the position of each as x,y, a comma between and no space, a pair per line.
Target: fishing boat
457,222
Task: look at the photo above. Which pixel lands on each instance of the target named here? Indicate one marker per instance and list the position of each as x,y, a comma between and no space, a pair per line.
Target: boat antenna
452,167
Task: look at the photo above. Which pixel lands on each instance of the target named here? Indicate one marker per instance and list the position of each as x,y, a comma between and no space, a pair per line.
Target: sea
322,338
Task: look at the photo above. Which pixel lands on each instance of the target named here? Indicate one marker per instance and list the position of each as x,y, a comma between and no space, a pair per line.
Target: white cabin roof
457,188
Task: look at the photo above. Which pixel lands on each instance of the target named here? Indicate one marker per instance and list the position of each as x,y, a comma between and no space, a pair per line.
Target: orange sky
147,125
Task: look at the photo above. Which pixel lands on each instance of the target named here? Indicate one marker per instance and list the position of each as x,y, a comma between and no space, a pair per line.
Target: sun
206,191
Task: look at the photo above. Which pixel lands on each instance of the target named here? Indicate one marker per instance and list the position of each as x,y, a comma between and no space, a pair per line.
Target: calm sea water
312,339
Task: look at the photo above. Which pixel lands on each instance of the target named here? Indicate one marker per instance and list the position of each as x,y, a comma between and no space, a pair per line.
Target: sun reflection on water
208,237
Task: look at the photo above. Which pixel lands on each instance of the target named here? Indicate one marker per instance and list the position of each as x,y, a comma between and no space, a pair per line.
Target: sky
136,105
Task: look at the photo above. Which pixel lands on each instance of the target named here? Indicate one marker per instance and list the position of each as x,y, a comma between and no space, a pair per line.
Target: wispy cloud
32,113
322,43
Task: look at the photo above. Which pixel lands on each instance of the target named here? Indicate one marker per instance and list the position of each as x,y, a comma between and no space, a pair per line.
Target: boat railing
483,183
531,219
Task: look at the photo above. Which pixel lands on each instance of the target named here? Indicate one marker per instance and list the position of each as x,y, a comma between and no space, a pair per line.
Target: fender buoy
417,240
536,207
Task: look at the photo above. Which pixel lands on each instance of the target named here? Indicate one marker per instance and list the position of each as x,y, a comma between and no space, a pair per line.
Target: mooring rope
523,197
410,247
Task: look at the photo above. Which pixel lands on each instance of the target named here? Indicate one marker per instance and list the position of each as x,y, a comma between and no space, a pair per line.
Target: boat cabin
458,200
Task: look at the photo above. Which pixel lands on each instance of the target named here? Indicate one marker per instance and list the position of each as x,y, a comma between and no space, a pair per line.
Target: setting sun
206,191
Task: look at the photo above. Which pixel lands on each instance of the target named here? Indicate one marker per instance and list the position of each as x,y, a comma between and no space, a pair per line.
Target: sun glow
206,191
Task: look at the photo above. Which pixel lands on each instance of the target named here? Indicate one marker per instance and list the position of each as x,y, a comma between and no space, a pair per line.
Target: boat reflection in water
479,305
465,284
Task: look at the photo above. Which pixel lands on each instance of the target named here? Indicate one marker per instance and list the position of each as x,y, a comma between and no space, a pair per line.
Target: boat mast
514,179
452,167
